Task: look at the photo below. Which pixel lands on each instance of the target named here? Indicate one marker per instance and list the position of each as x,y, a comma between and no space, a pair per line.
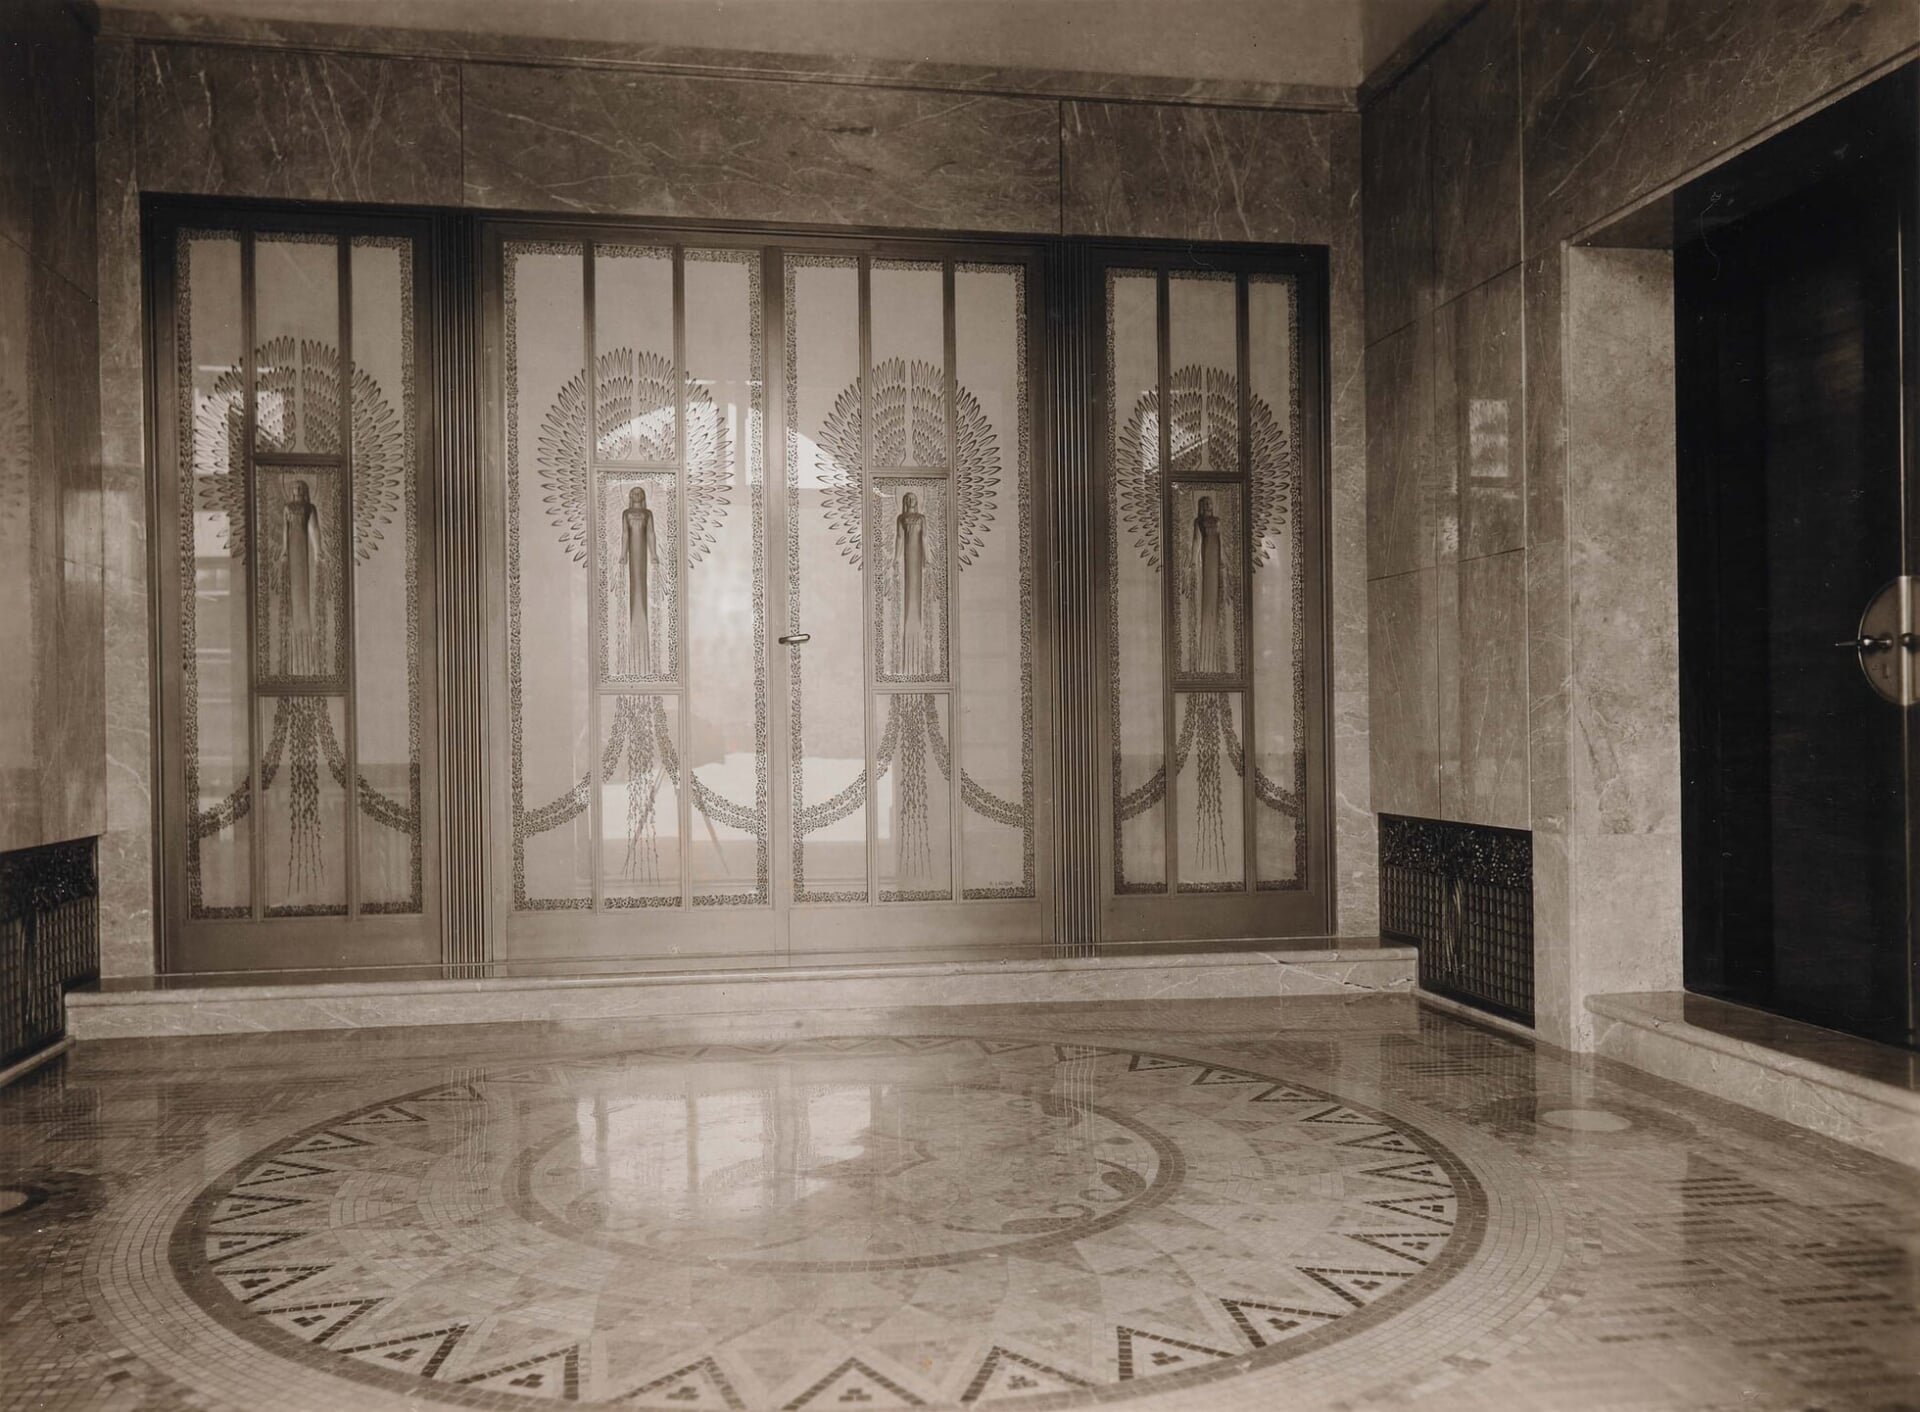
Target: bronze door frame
260,942
1250,913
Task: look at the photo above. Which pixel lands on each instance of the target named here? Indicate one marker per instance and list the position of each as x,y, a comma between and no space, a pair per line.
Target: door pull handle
1855,644
794,639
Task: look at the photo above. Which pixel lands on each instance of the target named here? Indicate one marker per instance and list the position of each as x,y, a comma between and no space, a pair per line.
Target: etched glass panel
1135,584
635,394
296,279
726,577
300,577
639,568
1209,546
993,593
1208,810
1203,378
913,820
826,677
640,801
303,773
212,509
909,535
549,689
1279,585
909,396
386,578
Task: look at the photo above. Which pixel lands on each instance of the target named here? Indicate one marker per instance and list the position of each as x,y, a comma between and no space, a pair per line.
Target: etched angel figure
910,554
639,555
1210,579
300,557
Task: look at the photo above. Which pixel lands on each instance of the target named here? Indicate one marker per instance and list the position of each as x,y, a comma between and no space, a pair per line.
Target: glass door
708,657
296,634
1215,701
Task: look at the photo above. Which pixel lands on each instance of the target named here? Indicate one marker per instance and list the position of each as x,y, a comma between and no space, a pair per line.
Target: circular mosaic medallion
825,1223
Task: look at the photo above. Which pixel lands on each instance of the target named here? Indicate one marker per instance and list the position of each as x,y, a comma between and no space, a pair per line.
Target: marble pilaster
1484,757
1402,633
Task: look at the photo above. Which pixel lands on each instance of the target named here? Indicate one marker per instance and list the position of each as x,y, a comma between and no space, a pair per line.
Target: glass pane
548,685
914,843
296,279
910,579
640,801
827,677
993,595
726,577
386,579
1278,588
213,578
633,341
1135,586
1208,549
1209,813
300,575
1203,378
909,365
303,772
639,576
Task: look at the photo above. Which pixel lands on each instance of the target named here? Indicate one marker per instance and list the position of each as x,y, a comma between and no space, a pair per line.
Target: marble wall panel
1624,902
1621,98
1404,496
1554,1003
19,577
46,137
593,140
1193,173
1490,744
1625,749
1479,436
305,126
1405,692
1396,188
1476,151
1356,839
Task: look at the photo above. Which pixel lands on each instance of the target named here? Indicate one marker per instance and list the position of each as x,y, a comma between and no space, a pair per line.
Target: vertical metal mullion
869,701
1243,353
595,603
781,704
256,787
683,788
949,619
1169,597
349,638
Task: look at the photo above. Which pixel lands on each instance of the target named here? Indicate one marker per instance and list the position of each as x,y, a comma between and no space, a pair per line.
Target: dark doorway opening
1794,277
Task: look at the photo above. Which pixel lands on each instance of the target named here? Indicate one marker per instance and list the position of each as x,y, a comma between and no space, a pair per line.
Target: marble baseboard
245,1009
1650,1032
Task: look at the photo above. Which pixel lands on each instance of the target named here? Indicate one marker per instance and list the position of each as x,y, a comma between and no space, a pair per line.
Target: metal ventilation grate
1464,894
49,941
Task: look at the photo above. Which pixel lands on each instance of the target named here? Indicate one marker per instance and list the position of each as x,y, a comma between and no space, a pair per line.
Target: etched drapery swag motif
910,429
298,382
1201,401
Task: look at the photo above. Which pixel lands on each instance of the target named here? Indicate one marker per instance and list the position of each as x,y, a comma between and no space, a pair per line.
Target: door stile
774,473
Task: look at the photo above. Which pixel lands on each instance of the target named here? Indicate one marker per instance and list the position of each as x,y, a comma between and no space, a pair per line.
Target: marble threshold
1864,1094
233,1004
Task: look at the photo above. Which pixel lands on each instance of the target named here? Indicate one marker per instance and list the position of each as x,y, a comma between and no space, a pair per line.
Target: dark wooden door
1794,488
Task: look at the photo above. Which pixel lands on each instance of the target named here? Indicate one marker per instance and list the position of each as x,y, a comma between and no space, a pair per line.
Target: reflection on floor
1310,1203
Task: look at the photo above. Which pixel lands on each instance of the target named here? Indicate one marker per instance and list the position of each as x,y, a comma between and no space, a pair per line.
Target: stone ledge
254,1008
1850,1093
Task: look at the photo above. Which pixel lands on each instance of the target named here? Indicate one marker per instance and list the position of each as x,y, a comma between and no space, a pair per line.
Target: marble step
238,1004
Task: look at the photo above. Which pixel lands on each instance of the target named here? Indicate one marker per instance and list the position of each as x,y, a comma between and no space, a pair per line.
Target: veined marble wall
52,757
1520,535
178,114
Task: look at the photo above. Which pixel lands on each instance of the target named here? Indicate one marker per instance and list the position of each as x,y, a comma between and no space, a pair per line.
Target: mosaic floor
1342,1203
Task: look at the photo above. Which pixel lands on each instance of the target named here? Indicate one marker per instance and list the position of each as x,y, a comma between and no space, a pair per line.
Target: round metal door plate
1883,657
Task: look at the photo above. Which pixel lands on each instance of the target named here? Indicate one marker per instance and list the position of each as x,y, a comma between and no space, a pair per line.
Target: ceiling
1330,42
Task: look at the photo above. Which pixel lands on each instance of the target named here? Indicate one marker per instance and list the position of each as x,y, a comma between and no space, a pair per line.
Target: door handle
1890,620
794,639
1854,644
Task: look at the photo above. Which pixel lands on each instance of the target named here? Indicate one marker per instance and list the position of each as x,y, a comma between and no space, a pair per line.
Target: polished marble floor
1309,1203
